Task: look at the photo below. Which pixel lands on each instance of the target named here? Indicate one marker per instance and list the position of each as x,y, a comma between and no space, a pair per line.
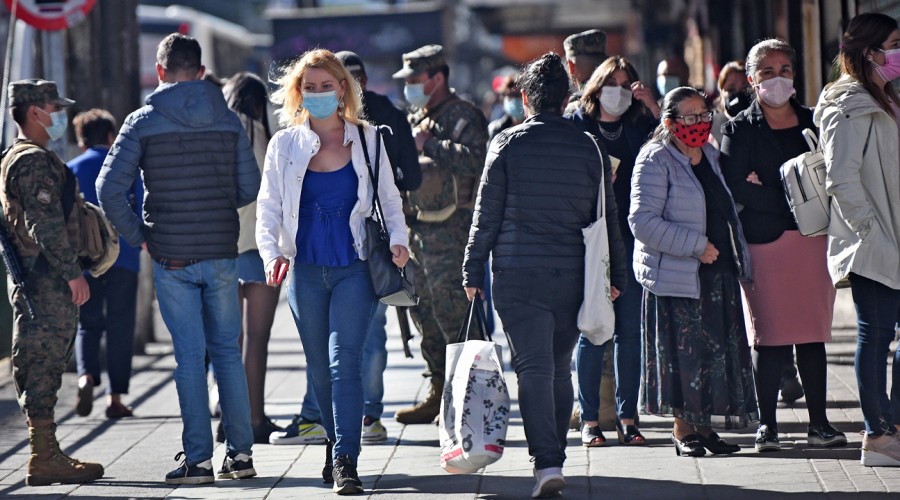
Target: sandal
629,434
592,437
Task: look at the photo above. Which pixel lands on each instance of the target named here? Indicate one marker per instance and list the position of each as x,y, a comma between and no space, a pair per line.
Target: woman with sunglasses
791,300
689,254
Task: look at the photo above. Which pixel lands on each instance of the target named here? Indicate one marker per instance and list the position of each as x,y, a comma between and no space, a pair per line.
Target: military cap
351,61
421,59
35,91
586,42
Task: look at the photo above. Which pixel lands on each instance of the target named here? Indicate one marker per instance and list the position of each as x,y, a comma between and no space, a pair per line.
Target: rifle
14,269
405,332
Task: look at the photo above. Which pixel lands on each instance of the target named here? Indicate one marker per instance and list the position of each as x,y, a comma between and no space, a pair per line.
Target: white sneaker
881,451
550,482
300,431
374,432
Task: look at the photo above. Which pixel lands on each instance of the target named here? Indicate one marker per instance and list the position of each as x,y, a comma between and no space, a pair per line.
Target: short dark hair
92,127
443,68
545,83
178,53
20,114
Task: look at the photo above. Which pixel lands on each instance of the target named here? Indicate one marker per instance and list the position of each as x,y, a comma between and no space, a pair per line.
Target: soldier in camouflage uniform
451,137
37,193
584,52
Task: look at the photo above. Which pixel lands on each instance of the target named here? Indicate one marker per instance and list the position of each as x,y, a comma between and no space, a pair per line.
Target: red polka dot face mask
693,135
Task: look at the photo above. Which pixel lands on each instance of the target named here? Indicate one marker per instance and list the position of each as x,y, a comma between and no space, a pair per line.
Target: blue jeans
199,305
111,309
374,362
332,307
877,311
627,341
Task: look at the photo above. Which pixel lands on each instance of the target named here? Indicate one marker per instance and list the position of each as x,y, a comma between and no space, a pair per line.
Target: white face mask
776,91
615,100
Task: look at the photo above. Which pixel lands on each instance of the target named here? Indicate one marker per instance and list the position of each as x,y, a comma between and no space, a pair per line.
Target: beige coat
863,181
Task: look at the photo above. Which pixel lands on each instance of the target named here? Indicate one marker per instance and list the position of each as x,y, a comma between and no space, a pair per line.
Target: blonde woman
316,193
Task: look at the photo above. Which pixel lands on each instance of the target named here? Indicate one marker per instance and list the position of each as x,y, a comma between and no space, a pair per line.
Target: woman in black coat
539,190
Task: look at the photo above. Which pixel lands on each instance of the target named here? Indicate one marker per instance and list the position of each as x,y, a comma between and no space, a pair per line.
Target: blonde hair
290,96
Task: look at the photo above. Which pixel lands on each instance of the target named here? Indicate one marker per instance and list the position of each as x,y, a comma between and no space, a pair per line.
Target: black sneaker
262,432
767,439
201,473
346,480
239,467
328,470
825,436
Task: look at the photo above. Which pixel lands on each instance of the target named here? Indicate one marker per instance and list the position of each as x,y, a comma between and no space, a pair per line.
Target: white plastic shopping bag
475,404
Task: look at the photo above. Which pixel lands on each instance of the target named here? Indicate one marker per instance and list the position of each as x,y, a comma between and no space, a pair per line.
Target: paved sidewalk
137,452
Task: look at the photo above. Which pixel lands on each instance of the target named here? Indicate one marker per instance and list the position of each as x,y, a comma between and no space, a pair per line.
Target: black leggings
768,365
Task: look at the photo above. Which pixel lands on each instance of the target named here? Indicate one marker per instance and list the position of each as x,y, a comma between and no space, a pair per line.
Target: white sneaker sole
769,447
875,459
348,489
298,440
551,488
374,439
192,480
240,474
835,442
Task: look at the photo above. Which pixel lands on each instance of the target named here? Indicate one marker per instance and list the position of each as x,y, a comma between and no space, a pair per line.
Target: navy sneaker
201,473
239,467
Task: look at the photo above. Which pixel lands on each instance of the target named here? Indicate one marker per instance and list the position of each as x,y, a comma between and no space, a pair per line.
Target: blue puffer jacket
197,165
668,219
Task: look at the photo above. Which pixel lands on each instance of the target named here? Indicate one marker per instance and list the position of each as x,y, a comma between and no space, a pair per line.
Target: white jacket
864,233
278,204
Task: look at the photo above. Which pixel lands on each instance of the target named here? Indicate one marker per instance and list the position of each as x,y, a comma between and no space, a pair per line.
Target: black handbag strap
373,173
476,312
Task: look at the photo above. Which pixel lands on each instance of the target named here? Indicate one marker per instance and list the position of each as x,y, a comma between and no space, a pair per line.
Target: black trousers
539,310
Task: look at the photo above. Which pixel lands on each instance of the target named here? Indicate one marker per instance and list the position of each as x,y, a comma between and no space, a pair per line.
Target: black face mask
738,102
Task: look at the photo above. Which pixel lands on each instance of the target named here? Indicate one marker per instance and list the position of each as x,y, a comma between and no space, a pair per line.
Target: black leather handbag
393,285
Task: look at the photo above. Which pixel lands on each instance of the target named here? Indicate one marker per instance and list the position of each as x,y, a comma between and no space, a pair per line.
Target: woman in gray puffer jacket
689,254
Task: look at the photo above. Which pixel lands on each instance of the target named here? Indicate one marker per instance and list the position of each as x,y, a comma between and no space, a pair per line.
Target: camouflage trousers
41,346
438,249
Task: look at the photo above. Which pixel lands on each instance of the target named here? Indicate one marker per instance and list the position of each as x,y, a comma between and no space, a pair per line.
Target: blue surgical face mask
415,94
58,122
514,108
321,105
667,83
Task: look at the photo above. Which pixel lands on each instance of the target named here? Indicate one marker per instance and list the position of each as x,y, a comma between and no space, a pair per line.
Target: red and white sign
51,15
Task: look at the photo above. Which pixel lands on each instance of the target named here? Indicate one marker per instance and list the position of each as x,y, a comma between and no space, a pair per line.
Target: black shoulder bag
393,285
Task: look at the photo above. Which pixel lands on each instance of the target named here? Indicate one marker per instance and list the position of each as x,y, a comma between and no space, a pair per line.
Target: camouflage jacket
33,185
460,135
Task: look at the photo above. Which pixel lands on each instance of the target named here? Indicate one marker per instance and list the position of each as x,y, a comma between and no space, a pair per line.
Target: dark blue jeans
539,311
877,312
627,342
111,309
332,307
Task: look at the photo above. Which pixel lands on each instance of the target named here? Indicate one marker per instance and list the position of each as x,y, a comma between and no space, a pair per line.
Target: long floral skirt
696,357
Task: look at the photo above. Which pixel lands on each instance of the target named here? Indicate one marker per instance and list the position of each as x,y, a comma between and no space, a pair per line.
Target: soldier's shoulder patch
44,197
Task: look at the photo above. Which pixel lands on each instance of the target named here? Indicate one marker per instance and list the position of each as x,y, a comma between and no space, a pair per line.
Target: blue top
323,235
86,167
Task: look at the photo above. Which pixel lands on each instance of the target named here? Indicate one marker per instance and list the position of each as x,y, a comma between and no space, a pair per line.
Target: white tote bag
597,318
475,404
